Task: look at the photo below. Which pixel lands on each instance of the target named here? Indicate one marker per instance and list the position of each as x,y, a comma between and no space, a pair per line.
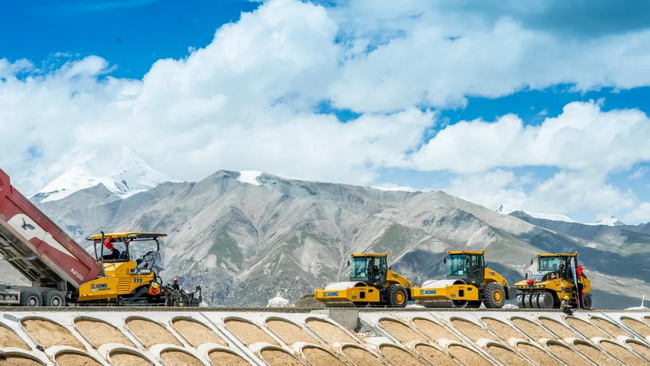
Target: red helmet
175,279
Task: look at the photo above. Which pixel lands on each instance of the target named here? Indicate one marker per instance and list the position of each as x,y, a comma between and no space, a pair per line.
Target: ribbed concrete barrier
275,338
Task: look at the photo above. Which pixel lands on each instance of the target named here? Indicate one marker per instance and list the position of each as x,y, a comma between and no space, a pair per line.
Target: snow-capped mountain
503,209
610,221
120,170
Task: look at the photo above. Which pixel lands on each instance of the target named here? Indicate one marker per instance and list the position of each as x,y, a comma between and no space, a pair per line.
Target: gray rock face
243,243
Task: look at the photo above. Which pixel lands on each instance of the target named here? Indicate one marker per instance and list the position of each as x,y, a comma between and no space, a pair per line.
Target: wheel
533,299
460,304
361,304
53,298
520,301
30,298
474,304
545,300
586,302
397,296
494,296
527,300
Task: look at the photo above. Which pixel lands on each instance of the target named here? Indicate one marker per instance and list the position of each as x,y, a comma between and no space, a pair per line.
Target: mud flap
511,293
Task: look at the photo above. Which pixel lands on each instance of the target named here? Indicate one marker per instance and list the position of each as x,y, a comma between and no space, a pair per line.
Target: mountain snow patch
249,177
503,209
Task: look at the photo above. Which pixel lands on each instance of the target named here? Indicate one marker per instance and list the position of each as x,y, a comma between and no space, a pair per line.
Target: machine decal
99,287
427,292
30,229
331,294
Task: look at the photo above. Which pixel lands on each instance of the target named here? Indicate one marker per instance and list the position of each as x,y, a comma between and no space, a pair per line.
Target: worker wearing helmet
175,286
154,289
565,307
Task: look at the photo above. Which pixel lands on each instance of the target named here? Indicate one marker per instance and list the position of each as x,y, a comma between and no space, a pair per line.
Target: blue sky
541,107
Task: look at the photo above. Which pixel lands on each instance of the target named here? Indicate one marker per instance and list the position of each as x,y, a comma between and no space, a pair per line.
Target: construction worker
565,307
175,286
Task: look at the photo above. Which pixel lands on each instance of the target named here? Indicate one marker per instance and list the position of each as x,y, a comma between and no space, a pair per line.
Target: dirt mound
569,356
179,358
433,330
150,333
468,356
319,357
621,353
558,328
13,360
507,356
75,359
328,331
99,332
223,358
401,331
593,354
470,329
501,329
361,357
196,333
637,326
533,330
128,359
612,329
275,357
399,356
538,355
8,338
48,334
585,328
434,355
289,332
248,332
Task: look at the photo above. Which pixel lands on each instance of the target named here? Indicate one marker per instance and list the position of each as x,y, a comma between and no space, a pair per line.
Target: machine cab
466,265
117,254
368,268
554,266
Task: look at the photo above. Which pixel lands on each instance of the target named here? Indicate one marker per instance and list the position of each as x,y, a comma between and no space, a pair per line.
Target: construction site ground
138,336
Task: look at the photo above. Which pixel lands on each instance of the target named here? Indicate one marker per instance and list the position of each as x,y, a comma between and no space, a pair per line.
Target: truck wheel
397,296
520,300
545,300
53,298
30,298
586,301
494,296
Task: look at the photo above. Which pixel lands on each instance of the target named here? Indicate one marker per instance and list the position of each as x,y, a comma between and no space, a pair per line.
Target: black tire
361,304
520,301
527,299
30,298
460,304
53,298
494,296
534,298
586,301
397,296
545,300
474,304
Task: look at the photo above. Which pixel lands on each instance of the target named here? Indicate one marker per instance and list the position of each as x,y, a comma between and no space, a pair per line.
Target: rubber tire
586,302
30,298
54,298
459,304
527,299
520,301
396,292
474,304
534,299
545,300
494,296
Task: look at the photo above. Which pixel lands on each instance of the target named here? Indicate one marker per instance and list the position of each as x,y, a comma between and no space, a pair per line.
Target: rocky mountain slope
246,237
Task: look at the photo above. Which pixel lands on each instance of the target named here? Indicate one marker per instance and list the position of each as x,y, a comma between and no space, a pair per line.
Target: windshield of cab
457,265
552,264
359,269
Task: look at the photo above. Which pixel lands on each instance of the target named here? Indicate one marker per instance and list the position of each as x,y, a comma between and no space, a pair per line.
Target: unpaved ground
361,357
472,330
197,333
399,357
48,334
585,328
640,349
10,339
501,329
594,354
329,332
289,332
531,329
75,359
279,358
178,358
434,356
319,357
567,355
433,330
128,359
637,326
150,332
558,328
507,356
612,329
621,353
401,331
99,332
248,332
223,358
538,355
468,356
19,361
